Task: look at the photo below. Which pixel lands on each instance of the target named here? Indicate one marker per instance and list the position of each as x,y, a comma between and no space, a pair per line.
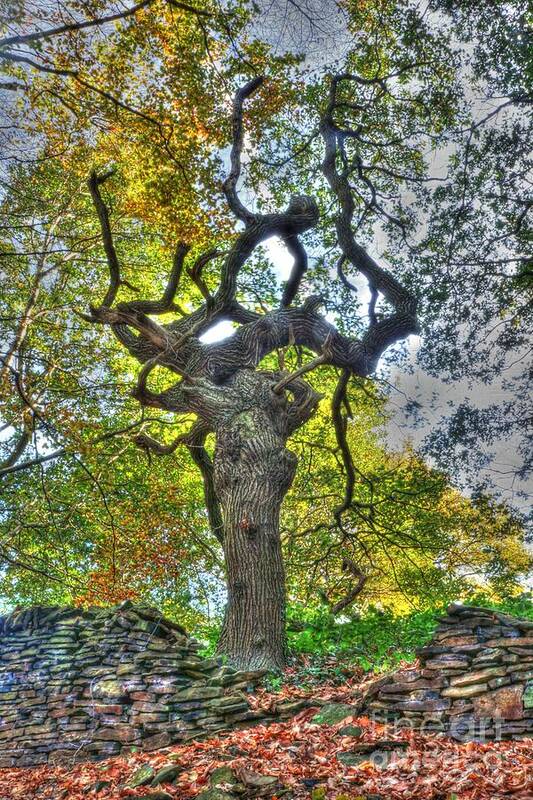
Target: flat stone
151,708
167,774
350,730
489,653
430,650
252,676
397,687
503,703
126,669
235,708
453,662
478,676
465,691
143,697
228,700
198,693
117,733
141,776
256,780
109,688
223,775
523,641
108,709
454,641
458,609
439,704
290,708
214,794
525,653
497,683
156,742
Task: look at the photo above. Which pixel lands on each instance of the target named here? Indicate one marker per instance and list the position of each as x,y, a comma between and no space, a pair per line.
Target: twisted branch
230,184
402,322
350,566
107,237
208,387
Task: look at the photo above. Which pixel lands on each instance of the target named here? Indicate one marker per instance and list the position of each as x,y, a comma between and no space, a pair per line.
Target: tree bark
253,471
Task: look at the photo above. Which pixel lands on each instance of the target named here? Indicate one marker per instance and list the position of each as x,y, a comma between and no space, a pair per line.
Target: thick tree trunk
253,471
253,415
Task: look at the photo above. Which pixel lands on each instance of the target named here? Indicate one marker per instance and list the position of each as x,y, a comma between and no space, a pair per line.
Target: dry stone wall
93,683
475,678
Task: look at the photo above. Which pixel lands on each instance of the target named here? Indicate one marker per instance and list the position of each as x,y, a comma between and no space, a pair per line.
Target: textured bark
252,478
253,471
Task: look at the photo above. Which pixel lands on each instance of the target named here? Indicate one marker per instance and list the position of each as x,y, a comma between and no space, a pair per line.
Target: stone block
156,742
505,703
117,733
477,676
197,693
465,691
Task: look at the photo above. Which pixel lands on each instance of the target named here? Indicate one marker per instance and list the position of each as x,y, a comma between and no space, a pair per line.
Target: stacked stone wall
94,683
79,684
475,679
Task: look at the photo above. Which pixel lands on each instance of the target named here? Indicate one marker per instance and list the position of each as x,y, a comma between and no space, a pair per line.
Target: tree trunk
253,414
253,471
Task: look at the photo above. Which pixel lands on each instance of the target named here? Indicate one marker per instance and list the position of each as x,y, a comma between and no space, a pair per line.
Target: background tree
166,75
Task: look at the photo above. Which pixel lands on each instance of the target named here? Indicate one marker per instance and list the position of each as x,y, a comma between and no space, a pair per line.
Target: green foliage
518,606
102,523
377,639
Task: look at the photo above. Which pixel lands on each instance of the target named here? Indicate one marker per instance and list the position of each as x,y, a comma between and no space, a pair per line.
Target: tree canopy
133,139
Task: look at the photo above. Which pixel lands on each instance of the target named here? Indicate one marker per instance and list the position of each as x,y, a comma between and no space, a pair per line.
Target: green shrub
377,639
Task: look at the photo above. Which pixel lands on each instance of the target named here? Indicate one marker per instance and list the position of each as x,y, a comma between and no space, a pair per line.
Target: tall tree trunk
252,414
253,471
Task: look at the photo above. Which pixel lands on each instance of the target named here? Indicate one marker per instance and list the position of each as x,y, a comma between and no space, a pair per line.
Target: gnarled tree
252,411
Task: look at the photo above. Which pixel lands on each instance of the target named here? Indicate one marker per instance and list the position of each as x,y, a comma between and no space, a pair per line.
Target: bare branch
172,399
316,362
7,55
230,184
304,404
19,448
339,424
298,252
166,303
300,215
11,86
8,470
403,321
150,444
372,305
349,566
109,247
201,458
195,272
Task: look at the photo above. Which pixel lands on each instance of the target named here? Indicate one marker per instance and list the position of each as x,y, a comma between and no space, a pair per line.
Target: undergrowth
328,648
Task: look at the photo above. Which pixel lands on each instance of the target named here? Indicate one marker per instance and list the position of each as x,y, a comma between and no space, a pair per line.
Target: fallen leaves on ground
302,756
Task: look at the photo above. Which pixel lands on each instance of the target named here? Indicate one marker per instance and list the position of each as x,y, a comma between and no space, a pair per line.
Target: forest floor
297,760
